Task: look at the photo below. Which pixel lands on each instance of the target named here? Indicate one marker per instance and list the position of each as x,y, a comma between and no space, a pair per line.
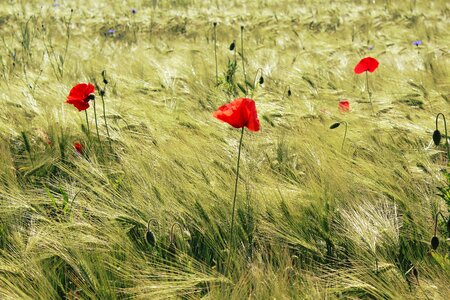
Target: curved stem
256,82
256,76
446,133
154,221
234,202
215,53
172,229
345,135
436,221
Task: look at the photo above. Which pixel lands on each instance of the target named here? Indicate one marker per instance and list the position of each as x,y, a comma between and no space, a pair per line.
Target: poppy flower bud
172,249
289,92
150,238
232,46
261,80
434,242
102,93
91,96
415,273
215,24
335,125
437,137
105,81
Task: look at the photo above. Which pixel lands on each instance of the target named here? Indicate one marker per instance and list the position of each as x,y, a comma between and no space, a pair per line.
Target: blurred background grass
313,222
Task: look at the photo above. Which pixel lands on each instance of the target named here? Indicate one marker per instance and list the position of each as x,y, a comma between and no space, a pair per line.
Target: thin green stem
446,133
96,124
104,118
345,135
87,123
235,55
255,82
234,203
242,54
215,53
368,90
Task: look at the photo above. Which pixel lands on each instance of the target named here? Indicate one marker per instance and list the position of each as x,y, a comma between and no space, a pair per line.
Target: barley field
140,196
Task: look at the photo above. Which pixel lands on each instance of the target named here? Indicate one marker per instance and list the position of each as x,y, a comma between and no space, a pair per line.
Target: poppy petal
78,147
239,113
79,104
344,106
366,64
79,95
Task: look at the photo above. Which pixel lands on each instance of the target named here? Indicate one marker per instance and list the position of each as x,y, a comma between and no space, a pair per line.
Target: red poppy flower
78,147
80,95
366,64
239,113
344,106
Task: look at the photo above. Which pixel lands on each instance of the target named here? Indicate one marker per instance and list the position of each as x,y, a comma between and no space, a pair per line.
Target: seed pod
102,93
261,80
232,46
172,249
335,125
437,137
91,96
105,81
415,273
150,238
434,242
289,92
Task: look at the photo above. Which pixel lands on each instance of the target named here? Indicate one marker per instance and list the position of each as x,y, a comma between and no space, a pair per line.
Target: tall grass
311,221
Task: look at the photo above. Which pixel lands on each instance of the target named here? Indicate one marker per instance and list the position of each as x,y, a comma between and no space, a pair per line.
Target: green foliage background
313,222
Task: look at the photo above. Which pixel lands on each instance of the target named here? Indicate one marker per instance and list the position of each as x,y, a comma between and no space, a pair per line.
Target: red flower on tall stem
80,95
366,64
344,105
239,113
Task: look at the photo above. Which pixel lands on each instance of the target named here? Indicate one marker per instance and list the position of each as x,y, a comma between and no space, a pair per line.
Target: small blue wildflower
133,11
417,43
111,31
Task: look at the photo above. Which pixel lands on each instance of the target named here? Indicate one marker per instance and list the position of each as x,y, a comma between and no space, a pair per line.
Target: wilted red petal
366,64
239,113
344,106
78,147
